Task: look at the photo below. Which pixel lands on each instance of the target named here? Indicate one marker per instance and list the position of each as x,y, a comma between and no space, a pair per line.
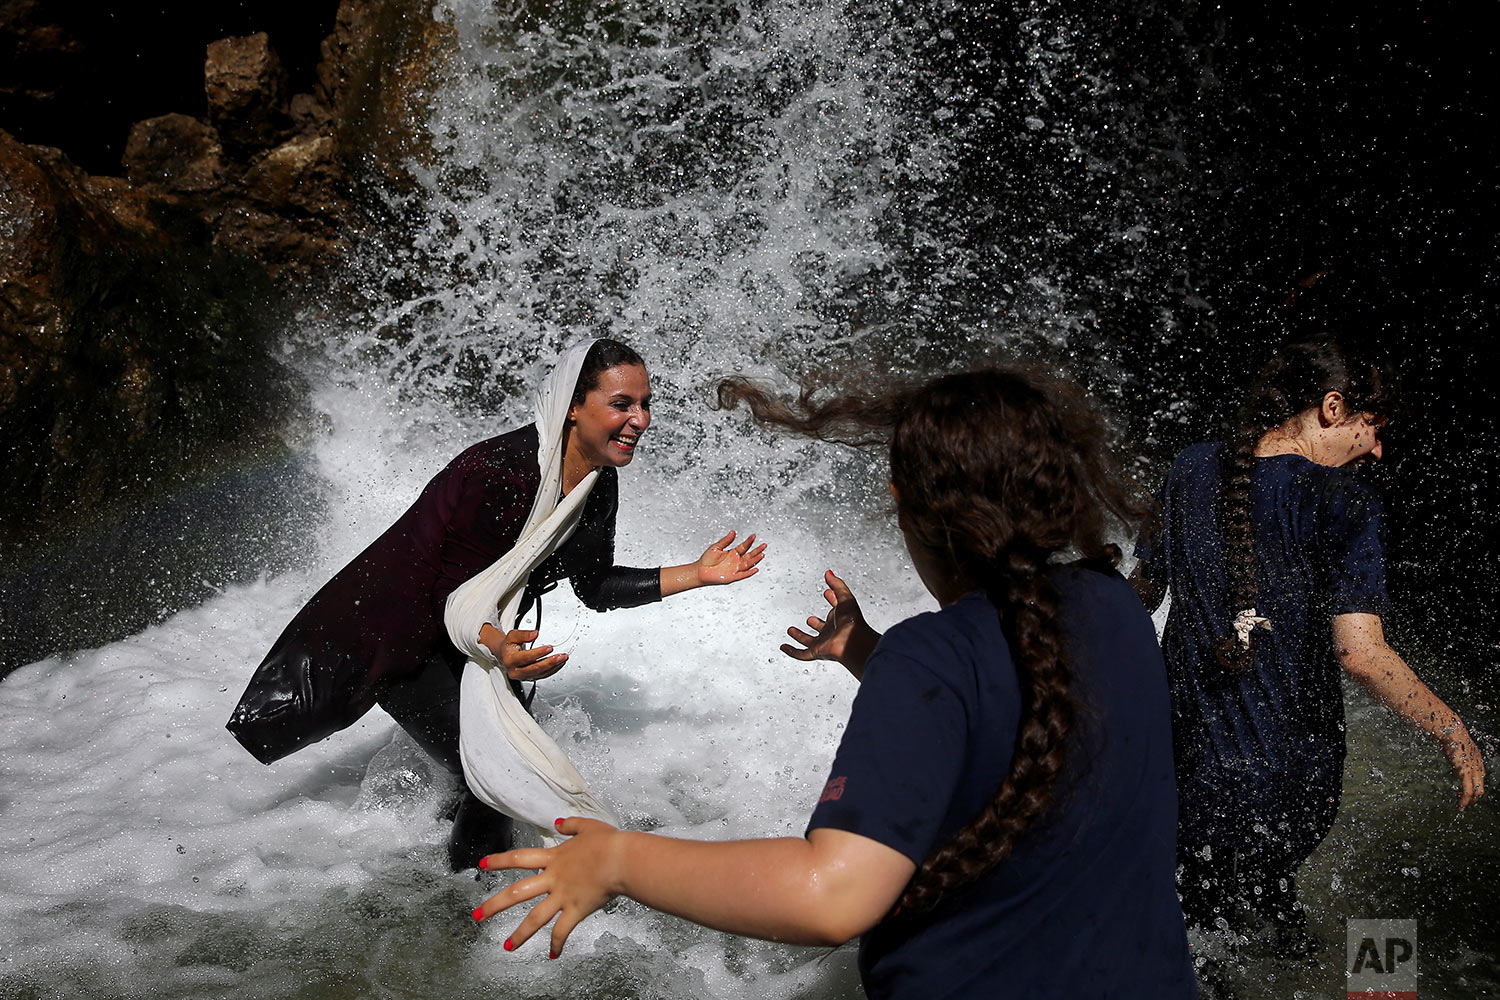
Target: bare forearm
676,579
772,889
1383,673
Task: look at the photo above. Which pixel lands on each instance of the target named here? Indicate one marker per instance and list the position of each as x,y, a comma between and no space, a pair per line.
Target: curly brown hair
997,472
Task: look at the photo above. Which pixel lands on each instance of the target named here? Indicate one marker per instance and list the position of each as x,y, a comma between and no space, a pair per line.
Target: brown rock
45,211
174,153
118,323
246,89
377,74
286,249
302,173
310,116
131,206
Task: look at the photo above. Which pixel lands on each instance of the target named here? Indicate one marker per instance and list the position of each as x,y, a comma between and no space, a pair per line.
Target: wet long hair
1302,371
602,356
996,472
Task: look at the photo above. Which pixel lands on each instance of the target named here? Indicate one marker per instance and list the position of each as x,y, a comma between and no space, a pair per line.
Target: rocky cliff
158,227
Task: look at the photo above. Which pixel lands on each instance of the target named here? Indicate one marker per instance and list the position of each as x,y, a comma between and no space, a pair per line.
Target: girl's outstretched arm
1359,640
822,890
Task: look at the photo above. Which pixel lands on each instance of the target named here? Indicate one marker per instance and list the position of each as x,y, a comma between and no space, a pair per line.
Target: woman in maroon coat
375,634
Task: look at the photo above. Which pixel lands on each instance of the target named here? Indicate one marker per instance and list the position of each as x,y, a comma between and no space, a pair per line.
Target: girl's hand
575,877
519,662
721,564
1463,756
843,636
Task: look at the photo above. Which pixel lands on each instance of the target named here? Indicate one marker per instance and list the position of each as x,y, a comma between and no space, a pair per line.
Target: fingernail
478,913
551,954
484,863
558,823
510,945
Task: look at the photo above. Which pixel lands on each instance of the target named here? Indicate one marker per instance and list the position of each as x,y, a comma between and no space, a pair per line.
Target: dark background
77,76
1367,142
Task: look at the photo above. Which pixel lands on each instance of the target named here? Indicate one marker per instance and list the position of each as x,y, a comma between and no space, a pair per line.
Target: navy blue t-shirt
1086,904
1261,754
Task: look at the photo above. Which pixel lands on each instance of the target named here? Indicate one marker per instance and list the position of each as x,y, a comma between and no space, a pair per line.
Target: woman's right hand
519,662
843,636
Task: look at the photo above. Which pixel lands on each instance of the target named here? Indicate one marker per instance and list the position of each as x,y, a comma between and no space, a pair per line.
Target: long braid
1297,378
1260,413
1030,622
997,471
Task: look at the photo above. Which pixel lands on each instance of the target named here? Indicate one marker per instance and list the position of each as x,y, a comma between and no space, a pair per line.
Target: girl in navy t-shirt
1001,813
1273,553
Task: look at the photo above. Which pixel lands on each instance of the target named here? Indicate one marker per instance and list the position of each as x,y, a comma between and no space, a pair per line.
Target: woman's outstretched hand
519,662
573,877
721,564
843,636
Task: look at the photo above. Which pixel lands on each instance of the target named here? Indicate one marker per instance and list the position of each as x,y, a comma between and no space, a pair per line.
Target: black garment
380,618
1260,755
426,706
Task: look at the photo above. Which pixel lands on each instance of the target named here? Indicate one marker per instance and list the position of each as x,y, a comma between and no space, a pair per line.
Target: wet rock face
269,151
246,90
138,313
378,66
131,352
174,153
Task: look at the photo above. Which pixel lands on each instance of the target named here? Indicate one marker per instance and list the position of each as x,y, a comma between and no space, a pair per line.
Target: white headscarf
509,762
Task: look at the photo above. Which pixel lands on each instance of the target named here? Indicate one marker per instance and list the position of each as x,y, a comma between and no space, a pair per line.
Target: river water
765,188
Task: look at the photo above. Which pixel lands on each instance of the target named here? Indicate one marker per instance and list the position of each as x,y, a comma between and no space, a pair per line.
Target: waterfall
773,188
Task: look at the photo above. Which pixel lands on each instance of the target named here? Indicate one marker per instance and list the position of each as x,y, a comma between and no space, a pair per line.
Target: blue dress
1260,755
1085,905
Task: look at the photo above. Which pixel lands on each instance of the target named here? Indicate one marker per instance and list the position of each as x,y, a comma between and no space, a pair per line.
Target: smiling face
605,428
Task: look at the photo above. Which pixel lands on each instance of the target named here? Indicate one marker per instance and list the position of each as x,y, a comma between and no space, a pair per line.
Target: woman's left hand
573,878
1467,763
721,564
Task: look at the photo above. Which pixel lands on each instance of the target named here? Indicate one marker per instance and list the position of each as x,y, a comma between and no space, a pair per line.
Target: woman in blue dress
1000,815
1272,551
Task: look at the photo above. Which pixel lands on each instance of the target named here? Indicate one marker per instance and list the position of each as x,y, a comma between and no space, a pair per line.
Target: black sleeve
597,581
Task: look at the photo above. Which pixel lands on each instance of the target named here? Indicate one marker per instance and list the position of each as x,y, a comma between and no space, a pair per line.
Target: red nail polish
558,823
478,913
551,954
484,863
510,945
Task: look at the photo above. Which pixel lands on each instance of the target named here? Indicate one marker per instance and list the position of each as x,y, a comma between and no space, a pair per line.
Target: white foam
141,842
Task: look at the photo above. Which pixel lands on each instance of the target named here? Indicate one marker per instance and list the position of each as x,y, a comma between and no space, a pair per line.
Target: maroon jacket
380,617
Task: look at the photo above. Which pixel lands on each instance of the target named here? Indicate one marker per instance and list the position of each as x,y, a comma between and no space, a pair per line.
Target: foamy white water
729,188
144,852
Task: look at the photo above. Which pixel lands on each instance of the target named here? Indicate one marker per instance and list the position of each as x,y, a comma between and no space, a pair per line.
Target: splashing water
762,188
